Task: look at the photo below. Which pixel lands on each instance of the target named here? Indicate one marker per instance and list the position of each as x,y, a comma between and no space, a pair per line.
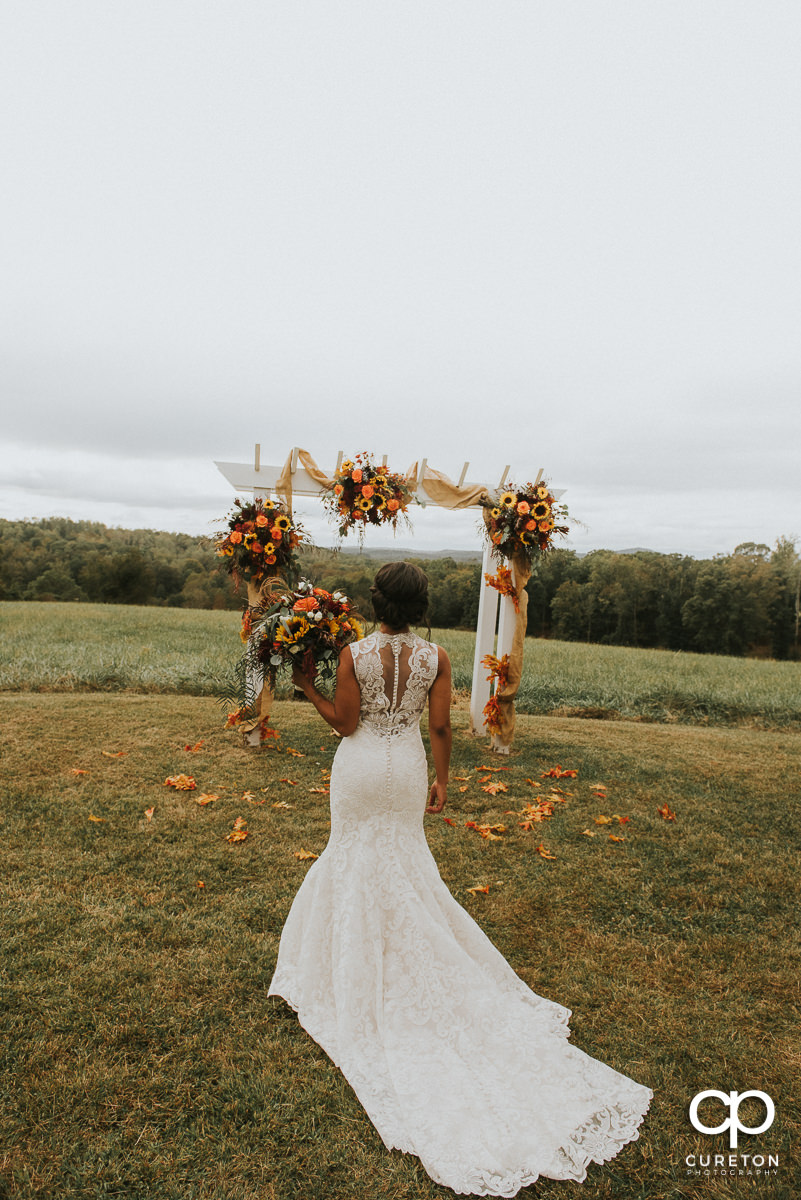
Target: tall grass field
64,647
139,1055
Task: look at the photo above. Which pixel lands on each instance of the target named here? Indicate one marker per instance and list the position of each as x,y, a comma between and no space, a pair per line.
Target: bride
452,1056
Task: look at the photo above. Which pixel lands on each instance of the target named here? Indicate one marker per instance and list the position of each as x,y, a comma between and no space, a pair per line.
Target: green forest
746,602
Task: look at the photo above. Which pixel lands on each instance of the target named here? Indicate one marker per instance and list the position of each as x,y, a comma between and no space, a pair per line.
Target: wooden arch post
262,480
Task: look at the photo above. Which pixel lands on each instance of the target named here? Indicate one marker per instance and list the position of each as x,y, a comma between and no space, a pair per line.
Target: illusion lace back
452,1056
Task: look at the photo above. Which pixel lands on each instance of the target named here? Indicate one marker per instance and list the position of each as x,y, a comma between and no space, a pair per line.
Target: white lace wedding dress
452,1056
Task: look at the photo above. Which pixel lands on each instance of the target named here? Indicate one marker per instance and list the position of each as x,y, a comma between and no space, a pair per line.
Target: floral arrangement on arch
522,522
364,494
306,626
261,534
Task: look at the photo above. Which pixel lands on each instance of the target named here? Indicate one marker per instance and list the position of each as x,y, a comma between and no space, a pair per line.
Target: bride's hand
438,797
300,678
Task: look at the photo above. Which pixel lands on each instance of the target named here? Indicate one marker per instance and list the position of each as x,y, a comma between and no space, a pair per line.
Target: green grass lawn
141,1056
64,647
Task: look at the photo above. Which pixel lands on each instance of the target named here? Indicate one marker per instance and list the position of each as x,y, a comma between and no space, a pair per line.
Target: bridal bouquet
261,534
522,521
308,625
364,494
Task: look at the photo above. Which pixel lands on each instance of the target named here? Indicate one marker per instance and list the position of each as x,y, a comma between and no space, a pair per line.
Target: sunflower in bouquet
306,626
522,522
261,540
364,494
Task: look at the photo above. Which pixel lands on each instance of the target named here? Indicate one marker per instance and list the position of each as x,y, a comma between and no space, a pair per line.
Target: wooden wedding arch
299,475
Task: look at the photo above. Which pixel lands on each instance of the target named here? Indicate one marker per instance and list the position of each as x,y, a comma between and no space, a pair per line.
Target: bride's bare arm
439,728
341,713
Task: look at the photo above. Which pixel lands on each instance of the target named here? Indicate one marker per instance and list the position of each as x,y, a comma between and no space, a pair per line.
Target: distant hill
403,552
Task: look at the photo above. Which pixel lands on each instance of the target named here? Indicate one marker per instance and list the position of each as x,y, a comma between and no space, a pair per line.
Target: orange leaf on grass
304,854
114,754
484,767
294,753
558,772
589,832
200,883
78,771
543,853
282,804
319,791
474,891
488,832
495,788
613,837
666,813
293,782
249,797
461,778
448,821
149,813
602,820
463,788
239,831
206,798
182,783
193,749
97,820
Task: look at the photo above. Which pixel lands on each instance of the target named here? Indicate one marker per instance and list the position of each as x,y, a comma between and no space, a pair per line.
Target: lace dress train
452,1056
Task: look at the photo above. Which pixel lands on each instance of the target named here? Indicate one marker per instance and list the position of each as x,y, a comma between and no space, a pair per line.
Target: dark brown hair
400,594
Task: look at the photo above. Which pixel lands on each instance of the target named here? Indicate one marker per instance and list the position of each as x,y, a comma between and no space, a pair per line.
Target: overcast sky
550,234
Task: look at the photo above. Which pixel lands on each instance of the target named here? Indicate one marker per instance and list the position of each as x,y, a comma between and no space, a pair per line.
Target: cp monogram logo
732,1100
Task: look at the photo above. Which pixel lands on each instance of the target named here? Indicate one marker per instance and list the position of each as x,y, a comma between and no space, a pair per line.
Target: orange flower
356,475
367,491
393,505
524,508
338,489
270,558
257,548
276,534
236,537
545,526
531,526
306,604
261,521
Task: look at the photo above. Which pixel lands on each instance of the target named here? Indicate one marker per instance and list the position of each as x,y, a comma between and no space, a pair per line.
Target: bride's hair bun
400,594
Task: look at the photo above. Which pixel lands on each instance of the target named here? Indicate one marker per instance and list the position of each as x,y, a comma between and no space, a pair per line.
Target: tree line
745,602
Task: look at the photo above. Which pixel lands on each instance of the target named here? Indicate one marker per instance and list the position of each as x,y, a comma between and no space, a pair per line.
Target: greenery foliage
747,602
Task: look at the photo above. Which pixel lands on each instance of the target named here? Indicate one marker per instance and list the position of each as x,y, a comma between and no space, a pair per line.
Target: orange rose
236,537
367,491
356,475
322,592
306,604
270,559
261,521
393,505
524,508
276,534
257,548
531,526
338,489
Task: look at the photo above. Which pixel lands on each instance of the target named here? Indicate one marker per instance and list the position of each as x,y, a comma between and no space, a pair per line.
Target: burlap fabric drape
502,740
258,693
443,491
283,484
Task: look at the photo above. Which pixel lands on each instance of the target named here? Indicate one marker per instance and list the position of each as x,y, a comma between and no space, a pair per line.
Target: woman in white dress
452,1056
